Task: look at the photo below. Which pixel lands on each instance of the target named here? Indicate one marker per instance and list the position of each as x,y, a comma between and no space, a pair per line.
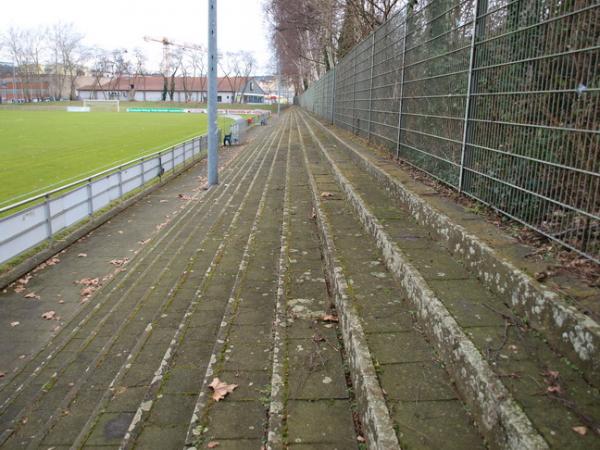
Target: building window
251,86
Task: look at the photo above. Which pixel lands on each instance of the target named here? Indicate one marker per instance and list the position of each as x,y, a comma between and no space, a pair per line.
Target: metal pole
477,31
371,86
333,96
402,85
213,175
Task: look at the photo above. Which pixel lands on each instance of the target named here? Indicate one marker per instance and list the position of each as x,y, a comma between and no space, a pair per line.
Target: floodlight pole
213,161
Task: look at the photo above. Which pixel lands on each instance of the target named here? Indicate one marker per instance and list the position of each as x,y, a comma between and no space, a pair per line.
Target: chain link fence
496,98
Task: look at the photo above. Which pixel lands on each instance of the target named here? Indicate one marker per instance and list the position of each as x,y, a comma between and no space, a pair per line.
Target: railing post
184,153
90,198
48,216
371,85
120,178
143,172
478,31
173,159
400,103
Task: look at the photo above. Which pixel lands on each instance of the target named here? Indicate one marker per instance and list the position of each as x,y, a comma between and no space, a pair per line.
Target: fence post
477,31
371,86
48,216
173,159
402,65
354,94
184,153
333,95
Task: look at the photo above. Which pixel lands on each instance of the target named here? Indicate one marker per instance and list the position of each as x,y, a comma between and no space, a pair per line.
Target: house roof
156,83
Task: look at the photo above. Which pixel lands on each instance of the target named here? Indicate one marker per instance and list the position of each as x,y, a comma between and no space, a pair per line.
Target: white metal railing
35,220
30,222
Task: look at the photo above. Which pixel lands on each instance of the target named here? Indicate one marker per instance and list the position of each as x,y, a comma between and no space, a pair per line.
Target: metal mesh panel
497,98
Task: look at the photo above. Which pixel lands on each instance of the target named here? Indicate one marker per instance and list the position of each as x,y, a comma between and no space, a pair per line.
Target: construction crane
166,43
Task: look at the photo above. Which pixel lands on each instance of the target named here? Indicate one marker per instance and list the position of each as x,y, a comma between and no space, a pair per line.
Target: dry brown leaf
580,430
82,255
360,439
221,389
212,444
541,276
119,262
329,318
552,374
326,195
52,261
87,291
19,289
32,295
24,280
49,315
89,281
554,389
15,323
2,374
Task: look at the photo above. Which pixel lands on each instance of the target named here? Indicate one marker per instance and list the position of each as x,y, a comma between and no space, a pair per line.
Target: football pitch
41,150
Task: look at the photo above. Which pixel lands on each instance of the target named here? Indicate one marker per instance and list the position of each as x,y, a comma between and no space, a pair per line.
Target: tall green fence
498,99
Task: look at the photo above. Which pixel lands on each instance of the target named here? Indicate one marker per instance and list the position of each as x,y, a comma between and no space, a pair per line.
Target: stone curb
499,417
572,333
376,420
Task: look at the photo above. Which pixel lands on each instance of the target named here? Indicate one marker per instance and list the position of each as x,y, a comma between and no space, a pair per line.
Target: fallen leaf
19,289
552,374
212,444
87,291
82,255
24,420
88,281
184,196
52,261
541,276
15,323
554,389
360,439
24,280
2,374
221,389
329,318
580,430
313,214
32,295
326,195
119,262
49,315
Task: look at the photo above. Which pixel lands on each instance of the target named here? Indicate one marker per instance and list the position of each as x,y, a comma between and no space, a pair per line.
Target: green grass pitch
41,150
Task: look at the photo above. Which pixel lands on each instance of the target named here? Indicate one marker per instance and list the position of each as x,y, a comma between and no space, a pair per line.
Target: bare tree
26,47
68,55
244,67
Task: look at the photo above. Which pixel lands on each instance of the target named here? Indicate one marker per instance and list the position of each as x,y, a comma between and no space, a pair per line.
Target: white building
186,89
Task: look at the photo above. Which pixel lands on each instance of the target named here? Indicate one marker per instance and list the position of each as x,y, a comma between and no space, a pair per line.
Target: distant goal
102,105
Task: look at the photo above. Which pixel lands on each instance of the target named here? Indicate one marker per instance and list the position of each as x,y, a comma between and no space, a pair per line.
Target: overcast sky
123,23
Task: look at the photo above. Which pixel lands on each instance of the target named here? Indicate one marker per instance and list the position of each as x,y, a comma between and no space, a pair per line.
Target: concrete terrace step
507,373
